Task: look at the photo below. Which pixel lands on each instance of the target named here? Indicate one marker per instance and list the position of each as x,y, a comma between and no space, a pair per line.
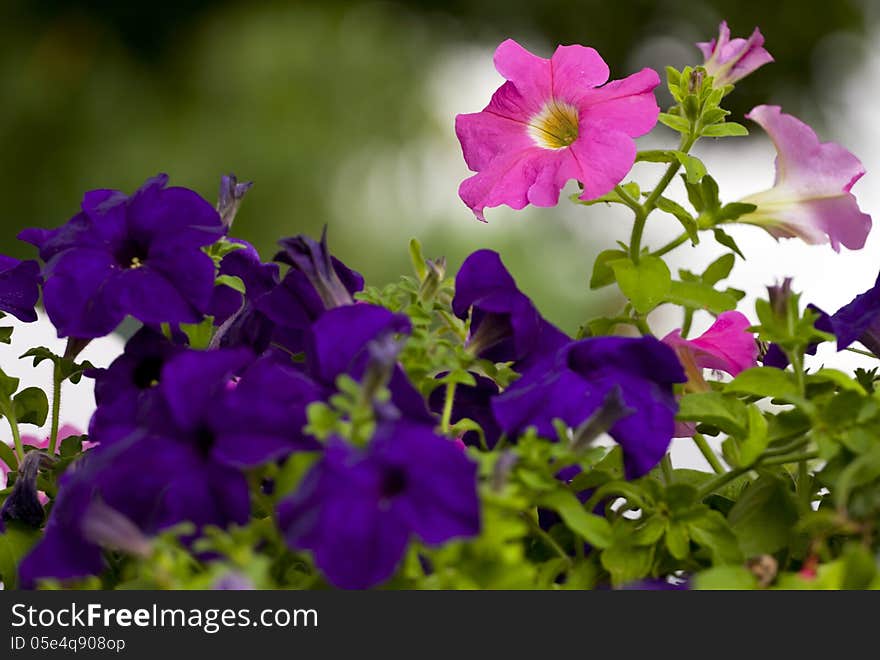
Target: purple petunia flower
139,255
19,287
859,321
338,343
127,392
505,325
240,321
316,282
357,509
578,383
211,414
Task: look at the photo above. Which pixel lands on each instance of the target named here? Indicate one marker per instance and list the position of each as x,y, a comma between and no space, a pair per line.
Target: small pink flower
811,196
552,121
727,346
729,60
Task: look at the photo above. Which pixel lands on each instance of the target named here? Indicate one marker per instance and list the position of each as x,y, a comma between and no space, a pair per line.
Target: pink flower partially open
727,346
811,196
552,121
729,60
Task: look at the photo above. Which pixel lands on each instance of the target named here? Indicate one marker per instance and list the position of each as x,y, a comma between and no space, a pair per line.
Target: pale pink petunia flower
811,196
729,60
553,121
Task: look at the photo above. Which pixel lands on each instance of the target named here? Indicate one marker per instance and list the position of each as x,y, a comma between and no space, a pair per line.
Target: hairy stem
708,454
56,408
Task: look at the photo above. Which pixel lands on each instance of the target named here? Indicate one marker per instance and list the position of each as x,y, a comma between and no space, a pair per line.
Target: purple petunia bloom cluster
177,428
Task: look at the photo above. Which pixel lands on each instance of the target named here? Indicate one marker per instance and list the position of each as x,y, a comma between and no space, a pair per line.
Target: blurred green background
342,112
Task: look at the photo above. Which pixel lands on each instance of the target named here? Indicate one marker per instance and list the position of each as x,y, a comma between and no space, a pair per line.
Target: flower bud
229,199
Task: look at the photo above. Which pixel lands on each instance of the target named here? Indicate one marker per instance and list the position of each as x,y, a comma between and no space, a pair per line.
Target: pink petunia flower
552,121
727,346
729,60
811,196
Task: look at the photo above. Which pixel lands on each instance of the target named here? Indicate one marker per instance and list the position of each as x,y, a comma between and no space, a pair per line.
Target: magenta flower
729,60
726,346
811,196
552,121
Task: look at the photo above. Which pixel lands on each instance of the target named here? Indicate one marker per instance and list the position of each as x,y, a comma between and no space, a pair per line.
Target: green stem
803,483
708,454
544,536
628,199
861,352
447,407
666,467
644,210
16,436
642,325
635,242
720,481
56,409
686,323
785,460
670,246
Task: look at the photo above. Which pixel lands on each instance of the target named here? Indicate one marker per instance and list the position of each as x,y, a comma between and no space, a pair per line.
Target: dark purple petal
859,320
192,381
578,383
264,415
140,255
337,341
19,287
439,498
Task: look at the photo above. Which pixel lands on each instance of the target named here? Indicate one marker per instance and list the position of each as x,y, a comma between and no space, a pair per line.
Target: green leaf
725,578
677,540
862,470
6,335
756,440
627,563
726,129
594,529
655,156
693,167
712,532
69,368
631,188
649,531
72,445
7,455
764,382
417,258
714,408
675,122
603,275
31,406
734,210
15,543
727,241
8,385
682,215
199,334
764,516
718,269
697,295
646,284
233,282
292,472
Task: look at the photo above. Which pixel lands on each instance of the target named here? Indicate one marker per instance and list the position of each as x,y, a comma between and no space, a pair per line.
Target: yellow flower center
556,126
135,262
